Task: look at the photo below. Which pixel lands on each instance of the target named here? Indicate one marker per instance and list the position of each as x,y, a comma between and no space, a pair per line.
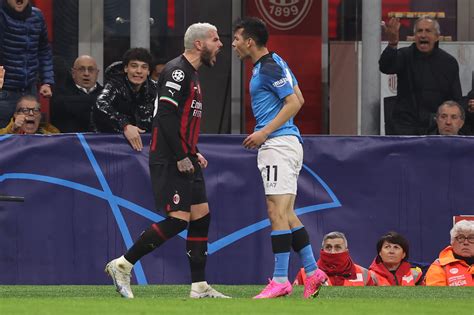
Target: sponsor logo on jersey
197,108
280,83
283,14
173,85
454,271
178,75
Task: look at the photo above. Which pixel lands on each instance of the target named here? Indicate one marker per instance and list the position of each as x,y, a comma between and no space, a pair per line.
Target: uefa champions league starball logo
283,14
178,75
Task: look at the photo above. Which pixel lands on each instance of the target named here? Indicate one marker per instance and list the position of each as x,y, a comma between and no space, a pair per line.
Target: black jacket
424,82
118,105
71,108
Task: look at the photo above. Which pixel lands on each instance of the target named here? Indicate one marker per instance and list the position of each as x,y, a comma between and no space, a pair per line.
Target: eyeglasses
26,110
84,69
462,238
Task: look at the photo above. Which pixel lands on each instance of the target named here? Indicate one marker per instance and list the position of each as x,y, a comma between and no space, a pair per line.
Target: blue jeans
8,100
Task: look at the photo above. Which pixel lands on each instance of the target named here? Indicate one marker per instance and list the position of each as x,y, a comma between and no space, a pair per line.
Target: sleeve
456,89
278,80
390,61
435,276
105,113
44,55
173,89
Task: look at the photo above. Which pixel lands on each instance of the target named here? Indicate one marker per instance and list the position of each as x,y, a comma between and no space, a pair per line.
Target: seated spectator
156,69
455,264
126,103
390,267
449,119
71,105
27,119
335,261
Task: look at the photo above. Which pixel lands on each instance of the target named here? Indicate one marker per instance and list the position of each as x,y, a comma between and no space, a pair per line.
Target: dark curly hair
140,54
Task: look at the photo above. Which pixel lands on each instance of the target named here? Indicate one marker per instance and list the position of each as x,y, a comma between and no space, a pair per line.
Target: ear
198,44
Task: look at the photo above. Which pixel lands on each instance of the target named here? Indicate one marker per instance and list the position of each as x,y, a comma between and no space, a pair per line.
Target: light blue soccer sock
281,246
301,245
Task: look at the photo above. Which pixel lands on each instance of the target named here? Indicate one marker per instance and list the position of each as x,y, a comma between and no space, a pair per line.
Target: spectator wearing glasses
25,55
455,264
71,105
450,119
27,119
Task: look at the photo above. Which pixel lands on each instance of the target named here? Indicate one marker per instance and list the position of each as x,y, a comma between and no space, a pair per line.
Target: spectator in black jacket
126,103
71,105
427,76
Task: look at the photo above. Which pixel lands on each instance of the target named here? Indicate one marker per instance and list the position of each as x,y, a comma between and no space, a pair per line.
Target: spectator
427,76
25,54
449,119
455,264
27,119
335,261
156,69
126,103
390,267
71,105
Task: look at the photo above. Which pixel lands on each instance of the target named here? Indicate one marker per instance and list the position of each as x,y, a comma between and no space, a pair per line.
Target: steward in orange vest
448,270
379,275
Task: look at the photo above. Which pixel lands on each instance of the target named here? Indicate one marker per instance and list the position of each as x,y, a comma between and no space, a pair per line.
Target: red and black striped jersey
177,121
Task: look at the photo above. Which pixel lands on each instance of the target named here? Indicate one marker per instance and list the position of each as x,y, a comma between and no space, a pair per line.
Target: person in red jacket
455,265
390,267
335,261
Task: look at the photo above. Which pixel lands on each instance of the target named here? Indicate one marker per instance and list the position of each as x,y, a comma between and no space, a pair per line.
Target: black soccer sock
301,245
154,236
196,247
300,238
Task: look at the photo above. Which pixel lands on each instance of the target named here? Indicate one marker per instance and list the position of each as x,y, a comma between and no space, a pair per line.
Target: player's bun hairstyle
253,28
197,31
140,54
394,238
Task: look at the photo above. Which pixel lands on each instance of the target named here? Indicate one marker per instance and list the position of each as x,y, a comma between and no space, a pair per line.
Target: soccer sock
301,245
153,237
281,246
196,247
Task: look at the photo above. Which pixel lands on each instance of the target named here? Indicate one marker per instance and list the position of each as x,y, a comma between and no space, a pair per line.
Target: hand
18,122
185,166
255,140
2,76
202,160
470,106
392,29
132,134
45,90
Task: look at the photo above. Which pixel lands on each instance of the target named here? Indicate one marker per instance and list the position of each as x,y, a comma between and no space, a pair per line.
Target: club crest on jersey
178,75
176,198
280,83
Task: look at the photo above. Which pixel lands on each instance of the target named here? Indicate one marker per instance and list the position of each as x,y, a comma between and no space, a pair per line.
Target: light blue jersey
272,81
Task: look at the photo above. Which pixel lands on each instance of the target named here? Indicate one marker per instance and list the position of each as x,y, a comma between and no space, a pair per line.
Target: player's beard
206,57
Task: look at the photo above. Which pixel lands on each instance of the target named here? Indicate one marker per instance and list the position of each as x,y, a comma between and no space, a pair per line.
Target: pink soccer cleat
274,290
313,284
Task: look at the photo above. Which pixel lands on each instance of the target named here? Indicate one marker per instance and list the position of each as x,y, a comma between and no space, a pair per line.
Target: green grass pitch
173,299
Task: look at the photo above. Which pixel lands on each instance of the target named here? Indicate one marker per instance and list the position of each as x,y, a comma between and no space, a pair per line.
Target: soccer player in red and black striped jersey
175,164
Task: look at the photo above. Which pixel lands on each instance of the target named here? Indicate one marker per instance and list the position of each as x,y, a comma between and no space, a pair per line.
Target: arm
388,59
291,107
435,276
105,113
45,61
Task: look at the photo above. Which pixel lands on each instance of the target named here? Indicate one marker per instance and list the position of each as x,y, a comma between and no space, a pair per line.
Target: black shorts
176,191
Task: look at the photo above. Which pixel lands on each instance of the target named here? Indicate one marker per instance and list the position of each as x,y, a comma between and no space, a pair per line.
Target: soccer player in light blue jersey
276,99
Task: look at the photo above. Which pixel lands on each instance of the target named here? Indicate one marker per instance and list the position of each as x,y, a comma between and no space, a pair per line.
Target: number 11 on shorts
275,172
